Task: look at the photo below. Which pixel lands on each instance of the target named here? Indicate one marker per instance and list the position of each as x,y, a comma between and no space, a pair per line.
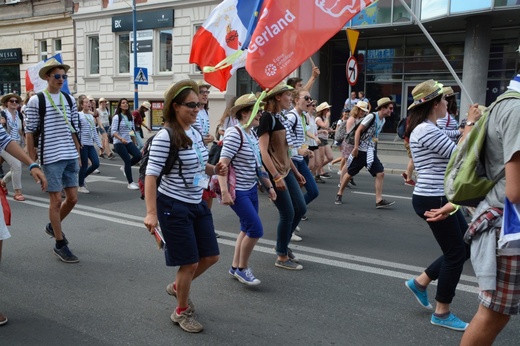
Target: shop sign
10,56
145,20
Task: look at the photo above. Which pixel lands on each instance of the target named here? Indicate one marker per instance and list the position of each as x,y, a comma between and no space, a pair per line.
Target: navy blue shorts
187,229
361,161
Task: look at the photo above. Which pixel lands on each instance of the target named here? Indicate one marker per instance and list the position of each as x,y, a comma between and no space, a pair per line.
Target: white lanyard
197,150
63,113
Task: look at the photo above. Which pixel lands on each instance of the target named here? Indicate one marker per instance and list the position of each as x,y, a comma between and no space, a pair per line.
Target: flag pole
441,54
312,62
134,22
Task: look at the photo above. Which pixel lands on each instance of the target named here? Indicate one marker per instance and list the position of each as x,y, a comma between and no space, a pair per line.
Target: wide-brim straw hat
383,102
6,98
363,105
203,84
279,89
448,92
51,64
242,102
174,90
102,100
425,92
322,106
146,105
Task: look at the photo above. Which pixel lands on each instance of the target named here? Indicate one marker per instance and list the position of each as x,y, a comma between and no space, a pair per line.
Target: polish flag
290,31
225,33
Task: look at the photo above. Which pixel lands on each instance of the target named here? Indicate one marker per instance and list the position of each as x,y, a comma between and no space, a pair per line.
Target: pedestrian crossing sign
141,75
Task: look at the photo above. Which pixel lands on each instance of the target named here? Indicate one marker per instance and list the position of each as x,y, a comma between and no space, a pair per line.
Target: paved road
351,291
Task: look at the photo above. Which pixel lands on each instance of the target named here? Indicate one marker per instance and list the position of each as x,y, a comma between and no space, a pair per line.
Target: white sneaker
83,189
122,169
296,237
96,171
297,229
133,186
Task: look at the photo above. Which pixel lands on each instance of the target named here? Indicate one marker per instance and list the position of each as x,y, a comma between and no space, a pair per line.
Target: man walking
56,125
364,153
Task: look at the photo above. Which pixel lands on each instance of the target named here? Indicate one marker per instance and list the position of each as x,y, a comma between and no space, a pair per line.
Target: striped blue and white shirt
431,151
246,160
449,126
5,139
295,121
58,142
125,126
202,123
172,184
87,131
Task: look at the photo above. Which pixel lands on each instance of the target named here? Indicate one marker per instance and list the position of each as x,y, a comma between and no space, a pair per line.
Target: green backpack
465,181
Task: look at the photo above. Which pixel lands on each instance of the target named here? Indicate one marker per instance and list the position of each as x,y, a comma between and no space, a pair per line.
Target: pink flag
290,31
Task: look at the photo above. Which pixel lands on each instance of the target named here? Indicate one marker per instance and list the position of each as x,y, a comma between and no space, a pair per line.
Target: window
500,3
468,6
93,52
43,50
57,46
165,50
433,9
196,68
124,53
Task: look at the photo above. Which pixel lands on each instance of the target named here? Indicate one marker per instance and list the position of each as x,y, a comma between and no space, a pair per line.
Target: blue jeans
291,207
87,152
124,151
310,184
246,208
449,234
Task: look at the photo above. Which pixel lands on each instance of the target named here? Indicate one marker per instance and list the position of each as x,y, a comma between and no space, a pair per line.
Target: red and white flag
290,31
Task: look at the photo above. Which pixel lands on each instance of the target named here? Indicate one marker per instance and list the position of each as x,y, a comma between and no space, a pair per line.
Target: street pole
134,19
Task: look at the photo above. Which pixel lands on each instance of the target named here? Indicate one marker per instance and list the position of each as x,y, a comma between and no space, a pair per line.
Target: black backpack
401,128
173,156
216,149
351,135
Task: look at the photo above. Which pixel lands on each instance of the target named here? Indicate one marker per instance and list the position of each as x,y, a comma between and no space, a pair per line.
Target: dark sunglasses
204,92
14,101
307,98
60,76
191,104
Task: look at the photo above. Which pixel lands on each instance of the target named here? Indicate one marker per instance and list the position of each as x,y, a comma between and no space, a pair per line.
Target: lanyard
128,124
63,113
91,125
304,124
254,148
197,150
204,119
379,124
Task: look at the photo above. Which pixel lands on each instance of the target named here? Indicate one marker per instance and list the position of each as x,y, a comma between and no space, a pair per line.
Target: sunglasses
204,92
307,98
14,101
60,76
191,104
313,106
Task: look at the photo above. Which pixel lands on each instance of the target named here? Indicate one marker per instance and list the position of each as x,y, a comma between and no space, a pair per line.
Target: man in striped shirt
59,147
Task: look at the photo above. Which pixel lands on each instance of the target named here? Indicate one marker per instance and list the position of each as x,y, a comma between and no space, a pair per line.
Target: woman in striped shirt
123,132
87,136
177,205
431,150
240,148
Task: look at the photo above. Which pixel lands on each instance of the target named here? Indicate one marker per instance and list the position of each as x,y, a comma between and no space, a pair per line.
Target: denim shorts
61,174
187,229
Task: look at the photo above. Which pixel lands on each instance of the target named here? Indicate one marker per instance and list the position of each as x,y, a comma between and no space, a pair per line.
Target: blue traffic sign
140,75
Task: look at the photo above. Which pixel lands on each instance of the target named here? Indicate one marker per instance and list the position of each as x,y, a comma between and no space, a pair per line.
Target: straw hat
425,91
146,105
6,98
203,84
322,106
51,64
102,100
279,89
174,90
242,102
362,105
448,92
383,102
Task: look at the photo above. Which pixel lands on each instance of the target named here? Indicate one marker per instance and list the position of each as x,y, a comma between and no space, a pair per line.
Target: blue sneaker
65,255
246,277
450,322
232,272
422,297
50,231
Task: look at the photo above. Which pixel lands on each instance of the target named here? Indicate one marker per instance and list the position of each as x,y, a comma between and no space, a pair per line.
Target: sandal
19,197
3,320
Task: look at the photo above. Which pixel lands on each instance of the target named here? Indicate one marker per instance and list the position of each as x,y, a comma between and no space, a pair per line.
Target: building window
457,6
43,50
93,51
500,3
124,53
196,68
433,9
165,51
57,46
246,84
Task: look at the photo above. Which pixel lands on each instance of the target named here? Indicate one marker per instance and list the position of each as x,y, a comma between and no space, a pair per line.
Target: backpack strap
42,109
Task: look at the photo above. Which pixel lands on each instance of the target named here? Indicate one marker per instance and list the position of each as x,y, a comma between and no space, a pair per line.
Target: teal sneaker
450,322
422,297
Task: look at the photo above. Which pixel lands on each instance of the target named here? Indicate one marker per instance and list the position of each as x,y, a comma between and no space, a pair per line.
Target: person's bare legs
379,186
484,327
409,169
59,210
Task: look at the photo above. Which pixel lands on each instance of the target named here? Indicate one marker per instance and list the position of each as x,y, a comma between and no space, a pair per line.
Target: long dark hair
452,105
420,113
119,111
180,138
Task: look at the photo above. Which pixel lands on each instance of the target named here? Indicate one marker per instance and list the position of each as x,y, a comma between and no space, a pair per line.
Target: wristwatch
470,123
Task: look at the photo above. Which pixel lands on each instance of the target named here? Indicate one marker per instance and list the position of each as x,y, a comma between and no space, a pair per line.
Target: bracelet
270,188
277,180
34,165
214,170
457,207
276,175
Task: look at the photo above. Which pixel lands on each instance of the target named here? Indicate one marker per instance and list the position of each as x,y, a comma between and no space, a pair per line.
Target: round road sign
352,71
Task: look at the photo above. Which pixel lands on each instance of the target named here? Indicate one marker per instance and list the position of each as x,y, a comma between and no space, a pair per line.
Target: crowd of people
278,144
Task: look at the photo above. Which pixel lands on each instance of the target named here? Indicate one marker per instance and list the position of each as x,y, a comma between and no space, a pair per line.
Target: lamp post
134,20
